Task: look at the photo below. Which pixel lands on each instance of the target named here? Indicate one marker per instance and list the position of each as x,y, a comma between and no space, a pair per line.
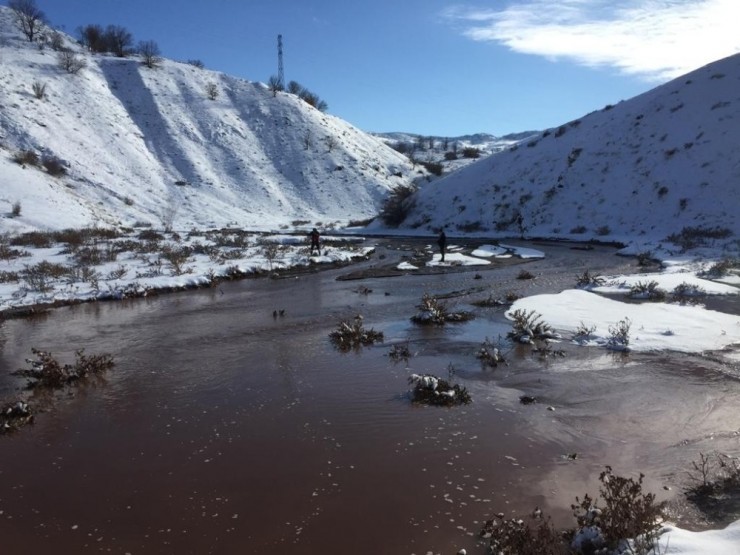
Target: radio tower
281,77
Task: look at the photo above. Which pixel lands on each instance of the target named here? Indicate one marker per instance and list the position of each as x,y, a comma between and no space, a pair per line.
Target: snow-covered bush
619,335
353,335
70,62
431,390
587,279
490,355
432,311
528,327
14,415
647,290
628,522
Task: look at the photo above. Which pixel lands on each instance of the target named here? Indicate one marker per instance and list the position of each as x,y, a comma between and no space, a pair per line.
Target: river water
225,429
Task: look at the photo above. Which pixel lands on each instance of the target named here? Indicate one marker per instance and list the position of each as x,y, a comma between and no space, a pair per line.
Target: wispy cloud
655,39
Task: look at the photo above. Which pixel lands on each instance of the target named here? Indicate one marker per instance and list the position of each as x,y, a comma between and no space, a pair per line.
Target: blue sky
436,67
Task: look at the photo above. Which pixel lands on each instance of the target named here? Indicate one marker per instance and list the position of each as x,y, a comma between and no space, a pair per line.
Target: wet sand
223,429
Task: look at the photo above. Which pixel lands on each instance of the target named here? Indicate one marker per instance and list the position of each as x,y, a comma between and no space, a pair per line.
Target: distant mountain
663,162
174,145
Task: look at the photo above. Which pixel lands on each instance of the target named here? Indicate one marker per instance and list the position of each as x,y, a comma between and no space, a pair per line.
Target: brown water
225,430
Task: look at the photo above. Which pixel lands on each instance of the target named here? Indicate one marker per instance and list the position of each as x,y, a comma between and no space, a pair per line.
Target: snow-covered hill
643,169
148,145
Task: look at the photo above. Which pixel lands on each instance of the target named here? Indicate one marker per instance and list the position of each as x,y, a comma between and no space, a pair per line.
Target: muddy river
226,429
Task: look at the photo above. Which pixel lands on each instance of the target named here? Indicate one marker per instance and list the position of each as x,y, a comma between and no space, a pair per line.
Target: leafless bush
628,514
583,332
150,53
39,89
400,352
26,158
691,237
647,290
177,257
212,91
47,372
721,268
118,273
515,536
15,210
38,277
490,354
353,335
70,62
433,311
687,292
54,166
619,335
587,279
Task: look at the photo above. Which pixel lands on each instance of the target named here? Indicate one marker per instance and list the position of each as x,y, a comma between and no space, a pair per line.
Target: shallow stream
226,429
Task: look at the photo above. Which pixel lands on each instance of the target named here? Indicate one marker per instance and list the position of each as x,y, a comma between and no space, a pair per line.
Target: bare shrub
54,166
353,335
150,53
212,91
177,258
47,372
400,352
196,63
470,152
39,89
525,274
584,332
70,62
26,158
647,290
39,276
603,230
619,335
515,536
721,268
687,292
691,237
628,514
587,279
432,311
15,210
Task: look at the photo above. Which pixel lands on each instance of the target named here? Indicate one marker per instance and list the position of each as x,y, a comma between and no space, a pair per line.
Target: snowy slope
644,168
149,146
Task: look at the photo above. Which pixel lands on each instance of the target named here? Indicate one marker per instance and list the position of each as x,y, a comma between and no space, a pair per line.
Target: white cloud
655,39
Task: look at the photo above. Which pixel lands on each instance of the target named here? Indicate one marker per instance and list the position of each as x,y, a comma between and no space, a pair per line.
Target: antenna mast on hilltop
281,77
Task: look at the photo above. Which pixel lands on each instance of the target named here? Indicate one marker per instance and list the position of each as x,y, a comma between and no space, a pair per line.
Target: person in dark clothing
315,244
442,242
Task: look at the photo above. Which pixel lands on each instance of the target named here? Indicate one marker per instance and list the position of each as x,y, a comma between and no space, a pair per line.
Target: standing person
315,244
442,242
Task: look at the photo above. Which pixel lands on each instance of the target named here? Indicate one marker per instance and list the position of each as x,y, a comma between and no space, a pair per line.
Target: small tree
294,87
149,51
70,62
118,40
93,38
29,18
196,63
212,91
